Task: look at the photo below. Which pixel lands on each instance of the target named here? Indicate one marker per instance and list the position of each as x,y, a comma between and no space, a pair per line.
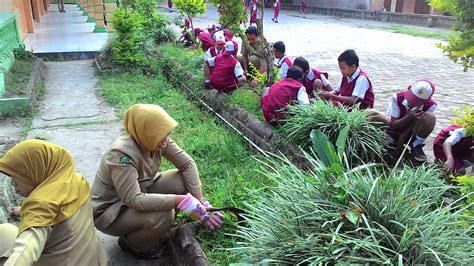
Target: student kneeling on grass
226,74
217,49
56,225
355,86
410,113
453,146
132,198
314,79
286,91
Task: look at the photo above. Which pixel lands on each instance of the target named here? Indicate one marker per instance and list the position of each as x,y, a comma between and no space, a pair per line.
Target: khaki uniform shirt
71,242
126,172
258,49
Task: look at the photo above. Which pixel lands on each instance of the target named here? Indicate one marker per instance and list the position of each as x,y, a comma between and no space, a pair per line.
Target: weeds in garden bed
225,165
366,140
365,215
17,78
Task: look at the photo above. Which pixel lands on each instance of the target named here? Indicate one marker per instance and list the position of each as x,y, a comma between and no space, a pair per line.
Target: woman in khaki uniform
56,226
131,198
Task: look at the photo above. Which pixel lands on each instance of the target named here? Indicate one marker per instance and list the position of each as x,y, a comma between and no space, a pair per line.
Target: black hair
295,72
279,47
301,62
349,57
252,30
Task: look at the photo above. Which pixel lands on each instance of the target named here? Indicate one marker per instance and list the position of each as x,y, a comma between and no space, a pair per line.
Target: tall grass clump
358,216
366,141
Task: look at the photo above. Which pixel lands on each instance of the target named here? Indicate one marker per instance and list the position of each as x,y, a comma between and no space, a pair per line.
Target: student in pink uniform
276,8
170,5
454,147
303,7
217,49
314,80
410,116
227,73
205,37
287,91
355,87
284,62
253,11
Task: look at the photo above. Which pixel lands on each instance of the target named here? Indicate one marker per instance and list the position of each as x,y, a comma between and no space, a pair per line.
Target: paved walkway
65,32
392,60
74,116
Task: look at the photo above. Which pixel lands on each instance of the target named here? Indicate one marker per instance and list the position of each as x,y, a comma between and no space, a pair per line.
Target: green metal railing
9,40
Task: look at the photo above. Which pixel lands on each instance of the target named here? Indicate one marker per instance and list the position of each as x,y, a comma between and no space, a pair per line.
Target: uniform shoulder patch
125,160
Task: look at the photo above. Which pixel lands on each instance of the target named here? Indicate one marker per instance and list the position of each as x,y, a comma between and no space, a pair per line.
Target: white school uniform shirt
394,111
302,96
361,86
312,78
238,70
208,54
456,135
283,66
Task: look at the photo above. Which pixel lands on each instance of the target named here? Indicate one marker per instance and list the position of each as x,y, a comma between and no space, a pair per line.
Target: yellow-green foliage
190,8
465,119
232,13
461,45
467,189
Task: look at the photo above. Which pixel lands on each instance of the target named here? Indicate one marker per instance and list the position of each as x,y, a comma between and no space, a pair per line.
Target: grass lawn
16,79
226,166
440,34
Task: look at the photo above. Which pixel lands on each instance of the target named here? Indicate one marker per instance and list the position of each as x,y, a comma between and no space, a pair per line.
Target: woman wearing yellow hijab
131,198
56,226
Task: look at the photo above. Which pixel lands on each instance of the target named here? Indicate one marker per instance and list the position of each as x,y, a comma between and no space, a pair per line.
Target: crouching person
56,225
227,73
410,115
136,201
283,93
453,146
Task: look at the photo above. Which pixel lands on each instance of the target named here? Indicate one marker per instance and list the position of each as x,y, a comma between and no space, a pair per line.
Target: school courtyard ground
392,60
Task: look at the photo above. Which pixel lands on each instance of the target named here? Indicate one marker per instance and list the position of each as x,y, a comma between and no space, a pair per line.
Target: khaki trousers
142,230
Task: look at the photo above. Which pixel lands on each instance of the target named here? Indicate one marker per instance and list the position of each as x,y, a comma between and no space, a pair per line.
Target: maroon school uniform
280,95
461,150
253,12
395,133
206,40
347,88
214,52
170,4
303,5
277,9
223,76
309,84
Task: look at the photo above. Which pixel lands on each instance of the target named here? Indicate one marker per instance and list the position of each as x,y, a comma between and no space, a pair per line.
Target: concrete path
74,116
65,32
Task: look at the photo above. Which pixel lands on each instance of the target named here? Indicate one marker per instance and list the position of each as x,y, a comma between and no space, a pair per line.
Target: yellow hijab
59,191
148,124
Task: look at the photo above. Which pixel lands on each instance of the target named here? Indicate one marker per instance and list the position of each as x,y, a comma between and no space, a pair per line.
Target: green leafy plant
128,46
465,119
232,14
466,187
190,8
461,45
366,140
365,215
21,53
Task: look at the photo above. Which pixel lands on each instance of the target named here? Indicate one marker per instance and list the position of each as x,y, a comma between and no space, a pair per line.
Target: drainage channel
220,117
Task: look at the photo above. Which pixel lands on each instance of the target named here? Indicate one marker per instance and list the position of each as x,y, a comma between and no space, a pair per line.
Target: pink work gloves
194,208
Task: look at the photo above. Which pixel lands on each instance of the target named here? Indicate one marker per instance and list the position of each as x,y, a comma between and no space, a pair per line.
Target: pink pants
303,5
170,4
277,11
